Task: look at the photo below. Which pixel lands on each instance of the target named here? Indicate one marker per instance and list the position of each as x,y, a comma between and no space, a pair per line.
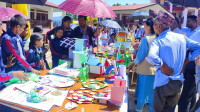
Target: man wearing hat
167,54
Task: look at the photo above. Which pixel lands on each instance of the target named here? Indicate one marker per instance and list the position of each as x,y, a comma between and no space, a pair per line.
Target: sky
110,2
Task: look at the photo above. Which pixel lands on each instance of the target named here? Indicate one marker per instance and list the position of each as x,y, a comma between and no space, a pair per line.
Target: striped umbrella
93,8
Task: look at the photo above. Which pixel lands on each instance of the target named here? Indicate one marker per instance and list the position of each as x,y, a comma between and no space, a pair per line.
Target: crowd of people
165,64
165,60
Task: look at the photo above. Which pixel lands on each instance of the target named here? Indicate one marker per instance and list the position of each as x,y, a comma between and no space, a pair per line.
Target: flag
23,8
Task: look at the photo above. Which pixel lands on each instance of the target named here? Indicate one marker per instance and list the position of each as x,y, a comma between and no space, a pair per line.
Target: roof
51,4
96,60
131,7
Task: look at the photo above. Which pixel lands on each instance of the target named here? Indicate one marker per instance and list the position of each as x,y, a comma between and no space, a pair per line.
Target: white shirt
177,30
196,36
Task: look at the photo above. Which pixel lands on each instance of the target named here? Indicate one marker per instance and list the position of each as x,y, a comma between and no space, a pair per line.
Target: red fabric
4,78
87,41
143,34
16,55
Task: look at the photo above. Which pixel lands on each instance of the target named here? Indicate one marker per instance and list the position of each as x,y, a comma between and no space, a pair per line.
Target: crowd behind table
164,59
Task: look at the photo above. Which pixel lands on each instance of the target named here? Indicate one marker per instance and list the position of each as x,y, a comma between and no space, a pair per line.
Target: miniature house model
95,67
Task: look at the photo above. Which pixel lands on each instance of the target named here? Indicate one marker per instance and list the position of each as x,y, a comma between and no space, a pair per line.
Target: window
32,15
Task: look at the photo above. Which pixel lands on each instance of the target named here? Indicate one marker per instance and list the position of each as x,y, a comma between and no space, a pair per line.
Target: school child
12,44
68,32
23,35
39,29
34,56
56,49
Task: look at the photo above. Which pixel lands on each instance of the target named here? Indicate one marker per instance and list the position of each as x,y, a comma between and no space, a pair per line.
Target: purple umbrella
8,13
36,2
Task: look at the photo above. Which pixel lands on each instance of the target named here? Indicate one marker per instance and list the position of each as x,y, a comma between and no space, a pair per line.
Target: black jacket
90,32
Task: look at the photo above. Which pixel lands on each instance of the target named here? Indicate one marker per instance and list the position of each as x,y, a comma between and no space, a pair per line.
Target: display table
87,107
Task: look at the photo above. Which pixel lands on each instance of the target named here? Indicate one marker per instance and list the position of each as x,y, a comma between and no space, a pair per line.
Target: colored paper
117,93
115,68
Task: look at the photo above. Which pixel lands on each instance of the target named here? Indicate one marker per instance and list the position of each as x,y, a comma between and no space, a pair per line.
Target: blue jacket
9,46
23,41
67,33
33,57
3,76
54,44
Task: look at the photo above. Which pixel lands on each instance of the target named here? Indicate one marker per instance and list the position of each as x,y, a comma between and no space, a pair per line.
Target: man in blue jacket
12,44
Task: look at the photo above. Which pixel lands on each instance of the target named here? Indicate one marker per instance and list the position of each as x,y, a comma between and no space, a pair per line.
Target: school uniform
23,41
56,49
33,56
67,33
12,44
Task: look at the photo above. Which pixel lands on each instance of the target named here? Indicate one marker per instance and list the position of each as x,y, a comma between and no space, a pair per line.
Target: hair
17,20
193,17
26,26
66,18
149,22
59,28
34,38
177,20
80,16
38,29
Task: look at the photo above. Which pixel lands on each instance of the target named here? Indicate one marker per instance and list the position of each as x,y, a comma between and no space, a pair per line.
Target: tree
126,3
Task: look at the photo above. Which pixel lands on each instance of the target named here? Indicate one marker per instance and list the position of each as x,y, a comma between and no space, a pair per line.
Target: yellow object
101,59
133,40
23,8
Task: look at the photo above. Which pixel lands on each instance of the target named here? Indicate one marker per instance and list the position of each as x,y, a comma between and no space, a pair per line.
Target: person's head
162,22
192,22
38,29
66,21
25,32
113,35
36,40
82,20
1,28
59,32
105,29
17,24
148,26
175,24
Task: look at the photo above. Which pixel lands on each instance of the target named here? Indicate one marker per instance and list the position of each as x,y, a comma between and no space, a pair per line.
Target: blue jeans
187,100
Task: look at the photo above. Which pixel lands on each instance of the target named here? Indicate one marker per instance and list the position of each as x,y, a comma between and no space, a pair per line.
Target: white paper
122,70
18,97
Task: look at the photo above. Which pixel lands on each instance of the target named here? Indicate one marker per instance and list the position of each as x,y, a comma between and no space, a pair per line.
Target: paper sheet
18,97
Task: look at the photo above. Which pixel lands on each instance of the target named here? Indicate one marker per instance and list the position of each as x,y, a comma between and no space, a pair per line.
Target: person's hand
131,66
35,71
44,67
166,70
10,62
21,75
197,61
45,50
41,62
184,65
107,40
64,56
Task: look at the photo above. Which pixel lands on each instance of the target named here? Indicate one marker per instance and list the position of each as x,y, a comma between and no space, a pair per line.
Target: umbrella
110,23
187,3
138,14
93,8
36,2
8,13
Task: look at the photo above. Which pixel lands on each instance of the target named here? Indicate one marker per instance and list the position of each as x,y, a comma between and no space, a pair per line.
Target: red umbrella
8,13
93,8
